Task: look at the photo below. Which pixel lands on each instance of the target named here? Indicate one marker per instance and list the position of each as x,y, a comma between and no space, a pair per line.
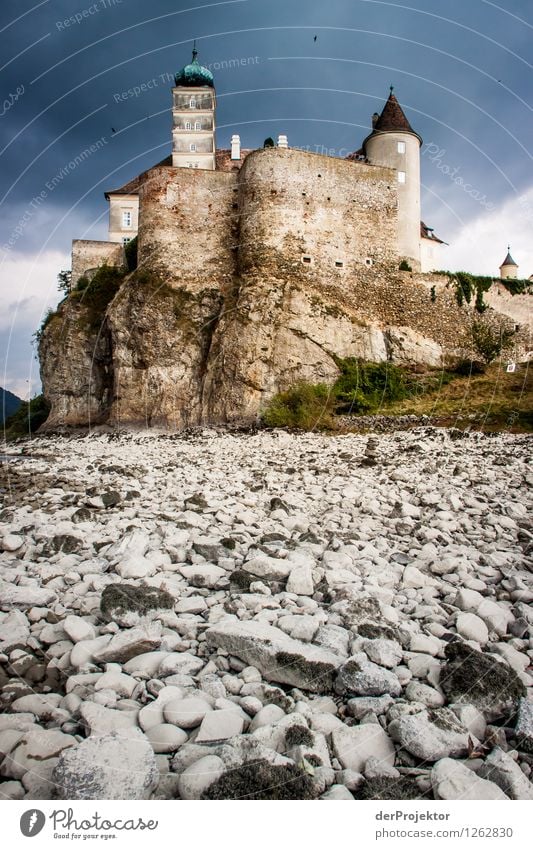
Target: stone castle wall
88,255
223,312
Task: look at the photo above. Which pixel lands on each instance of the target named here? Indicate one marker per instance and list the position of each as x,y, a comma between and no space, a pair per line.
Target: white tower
393,143
509,268
193,115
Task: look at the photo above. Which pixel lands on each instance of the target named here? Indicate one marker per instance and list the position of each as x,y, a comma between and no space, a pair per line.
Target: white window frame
197,125
401,147
188,125
402,177
192,103
126,218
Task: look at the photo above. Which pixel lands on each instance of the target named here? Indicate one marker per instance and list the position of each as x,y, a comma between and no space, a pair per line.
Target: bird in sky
315,38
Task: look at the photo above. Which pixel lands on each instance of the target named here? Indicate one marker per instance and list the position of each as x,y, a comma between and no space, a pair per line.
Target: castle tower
393,143
193,117
509,268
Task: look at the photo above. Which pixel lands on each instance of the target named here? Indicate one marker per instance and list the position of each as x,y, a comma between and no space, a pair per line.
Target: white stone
166,738
11,542
268,568
416,691
220,725
277,656
130,643
195,780
300,581
426,739
384,652
203,574
26,596
353,746
451,779
501,769
187,712
14,631
183,663
495,616
268,715
109,767
78,629
472,627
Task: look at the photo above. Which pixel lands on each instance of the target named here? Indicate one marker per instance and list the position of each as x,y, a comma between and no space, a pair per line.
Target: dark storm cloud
75,71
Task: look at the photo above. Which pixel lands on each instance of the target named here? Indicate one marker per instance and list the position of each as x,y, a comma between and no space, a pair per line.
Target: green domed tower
193,116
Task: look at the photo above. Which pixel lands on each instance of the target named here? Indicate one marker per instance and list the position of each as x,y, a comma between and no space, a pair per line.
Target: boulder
432,735
107,767
277,656
451,779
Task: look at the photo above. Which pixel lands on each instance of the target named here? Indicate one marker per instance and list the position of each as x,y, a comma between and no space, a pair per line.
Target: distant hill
9,404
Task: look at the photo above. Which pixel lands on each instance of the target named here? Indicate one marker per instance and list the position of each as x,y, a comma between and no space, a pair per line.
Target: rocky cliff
247,284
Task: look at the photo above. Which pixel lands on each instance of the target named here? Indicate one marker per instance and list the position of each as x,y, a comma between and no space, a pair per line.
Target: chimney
375,119
236,147
283,141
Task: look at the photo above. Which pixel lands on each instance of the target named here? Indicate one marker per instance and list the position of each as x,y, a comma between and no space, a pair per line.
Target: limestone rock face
75,368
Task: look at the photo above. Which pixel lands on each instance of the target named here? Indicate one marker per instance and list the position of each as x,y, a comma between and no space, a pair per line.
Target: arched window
188,125
192,103
198,126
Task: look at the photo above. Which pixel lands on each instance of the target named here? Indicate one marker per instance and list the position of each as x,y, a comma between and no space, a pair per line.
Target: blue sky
461,70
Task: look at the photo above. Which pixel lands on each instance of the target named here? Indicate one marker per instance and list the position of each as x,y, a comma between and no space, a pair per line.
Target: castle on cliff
256,270
387,165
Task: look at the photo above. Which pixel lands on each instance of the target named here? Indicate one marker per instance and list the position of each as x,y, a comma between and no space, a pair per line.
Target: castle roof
428,233
391,120
194,75
509,260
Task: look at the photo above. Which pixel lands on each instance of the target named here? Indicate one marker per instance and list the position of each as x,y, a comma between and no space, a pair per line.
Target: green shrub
489,342
306,406
262,780
28,418
98,293
364,387
130,249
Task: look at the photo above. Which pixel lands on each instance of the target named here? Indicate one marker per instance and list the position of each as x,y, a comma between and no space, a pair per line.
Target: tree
489,341
64,281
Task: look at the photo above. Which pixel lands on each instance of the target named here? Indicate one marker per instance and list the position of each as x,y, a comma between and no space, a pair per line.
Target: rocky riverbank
267,616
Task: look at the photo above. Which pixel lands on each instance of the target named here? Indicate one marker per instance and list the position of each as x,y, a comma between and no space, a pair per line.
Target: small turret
509,268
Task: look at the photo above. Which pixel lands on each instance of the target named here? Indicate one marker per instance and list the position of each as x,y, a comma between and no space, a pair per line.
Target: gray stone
166,738
451,779
187,712
472,627
277,656
500,768
430,737
195,780
360,676
353,746
108,767
524,725
220,725
130,643
25,596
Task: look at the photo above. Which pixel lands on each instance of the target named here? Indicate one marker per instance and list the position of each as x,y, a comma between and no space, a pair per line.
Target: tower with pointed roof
193,117
509,268
394,144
